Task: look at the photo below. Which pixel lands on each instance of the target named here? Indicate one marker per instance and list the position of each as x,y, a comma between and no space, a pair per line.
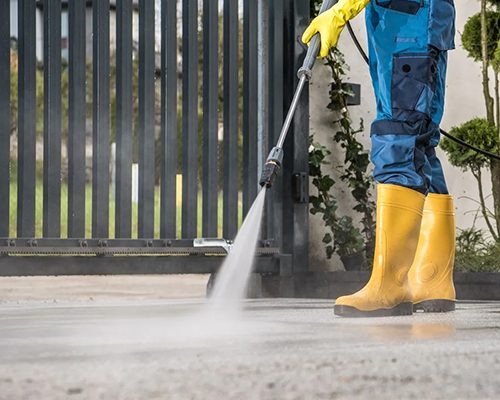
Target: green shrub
475,254
478,131
471,36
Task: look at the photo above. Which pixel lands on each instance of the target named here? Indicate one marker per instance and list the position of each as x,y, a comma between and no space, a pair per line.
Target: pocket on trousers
413,85
404,6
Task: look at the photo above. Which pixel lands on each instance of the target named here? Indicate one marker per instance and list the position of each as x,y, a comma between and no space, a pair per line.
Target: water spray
275,159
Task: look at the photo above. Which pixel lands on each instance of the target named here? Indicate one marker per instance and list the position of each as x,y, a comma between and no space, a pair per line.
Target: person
415,235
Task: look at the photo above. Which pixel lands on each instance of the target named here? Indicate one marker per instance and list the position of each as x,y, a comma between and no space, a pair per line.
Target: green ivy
342,236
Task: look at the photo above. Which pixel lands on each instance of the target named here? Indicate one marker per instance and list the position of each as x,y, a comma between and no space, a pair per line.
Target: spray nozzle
271,167
269,173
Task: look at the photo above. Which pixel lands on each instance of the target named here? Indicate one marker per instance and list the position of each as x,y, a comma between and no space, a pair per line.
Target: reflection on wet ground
416,330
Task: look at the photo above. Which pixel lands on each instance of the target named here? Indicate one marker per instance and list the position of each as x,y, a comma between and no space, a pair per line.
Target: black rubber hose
443,132
465,144
358,45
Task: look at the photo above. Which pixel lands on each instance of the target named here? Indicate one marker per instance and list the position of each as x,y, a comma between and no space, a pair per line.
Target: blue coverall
408,44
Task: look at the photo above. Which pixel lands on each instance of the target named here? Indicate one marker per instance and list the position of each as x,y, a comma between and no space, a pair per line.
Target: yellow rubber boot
399,215
431,275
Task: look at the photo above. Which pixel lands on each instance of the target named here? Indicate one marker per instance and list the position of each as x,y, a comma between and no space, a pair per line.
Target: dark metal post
190,118
210,116
26,172
168,190
146,118
5,118
231,175
296,215
250,104
124,119
276,113
52,119
264,26
100,142
76,124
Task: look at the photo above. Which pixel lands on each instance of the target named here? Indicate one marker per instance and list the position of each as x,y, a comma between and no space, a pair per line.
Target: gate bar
52,118
26,172
296,215
124,118
230,208
168,190
5,118
77,117
250,103
146,118
100,142
210,116
190,118
276,113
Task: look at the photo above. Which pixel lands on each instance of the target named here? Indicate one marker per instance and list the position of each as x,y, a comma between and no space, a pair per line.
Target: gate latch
300,187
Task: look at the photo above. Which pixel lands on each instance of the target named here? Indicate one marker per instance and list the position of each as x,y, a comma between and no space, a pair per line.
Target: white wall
464,101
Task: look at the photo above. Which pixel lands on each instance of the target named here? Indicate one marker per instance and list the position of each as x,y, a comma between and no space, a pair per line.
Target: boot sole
435,306
352,312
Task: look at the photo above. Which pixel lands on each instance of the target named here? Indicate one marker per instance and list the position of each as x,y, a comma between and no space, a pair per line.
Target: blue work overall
408,44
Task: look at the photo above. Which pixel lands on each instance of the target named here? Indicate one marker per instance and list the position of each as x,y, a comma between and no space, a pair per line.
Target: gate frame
284,253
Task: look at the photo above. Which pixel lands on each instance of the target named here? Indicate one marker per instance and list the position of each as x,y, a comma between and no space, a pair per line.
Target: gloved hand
331,23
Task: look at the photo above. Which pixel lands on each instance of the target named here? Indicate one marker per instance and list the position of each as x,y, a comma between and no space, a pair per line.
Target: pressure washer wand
275,158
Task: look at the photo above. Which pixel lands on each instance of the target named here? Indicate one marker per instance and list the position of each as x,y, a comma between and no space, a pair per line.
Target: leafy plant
481,39
348,239
474,254
356,160
471,36
485,136
478,131
495,3
343,237
470,240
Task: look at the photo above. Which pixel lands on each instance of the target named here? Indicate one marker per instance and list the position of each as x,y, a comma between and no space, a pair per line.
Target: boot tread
435,306
352,312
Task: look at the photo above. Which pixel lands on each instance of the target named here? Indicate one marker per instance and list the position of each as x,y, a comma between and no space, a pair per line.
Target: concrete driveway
279,349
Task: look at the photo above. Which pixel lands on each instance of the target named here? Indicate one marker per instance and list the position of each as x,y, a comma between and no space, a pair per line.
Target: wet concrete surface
280,349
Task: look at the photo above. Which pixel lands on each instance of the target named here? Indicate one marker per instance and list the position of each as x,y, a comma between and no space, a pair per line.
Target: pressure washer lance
275,158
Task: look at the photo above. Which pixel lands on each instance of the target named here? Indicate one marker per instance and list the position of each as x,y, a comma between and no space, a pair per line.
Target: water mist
232,279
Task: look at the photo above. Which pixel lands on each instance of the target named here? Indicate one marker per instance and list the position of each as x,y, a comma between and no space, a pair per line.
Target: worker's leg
403,81
438,182
403,132
408,66
407,79
431,276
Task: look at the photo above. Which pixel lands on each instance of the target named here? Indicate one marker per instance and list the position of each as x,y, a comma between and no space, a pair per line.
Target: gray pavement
279,349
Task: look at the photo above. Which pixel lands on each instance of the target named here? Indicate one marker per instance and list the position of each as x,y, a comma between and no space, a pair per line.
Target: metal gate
157,87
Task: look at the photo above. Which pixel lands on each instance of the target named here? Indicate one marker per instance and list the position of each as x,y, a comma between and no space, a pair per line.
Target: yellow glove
331,23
